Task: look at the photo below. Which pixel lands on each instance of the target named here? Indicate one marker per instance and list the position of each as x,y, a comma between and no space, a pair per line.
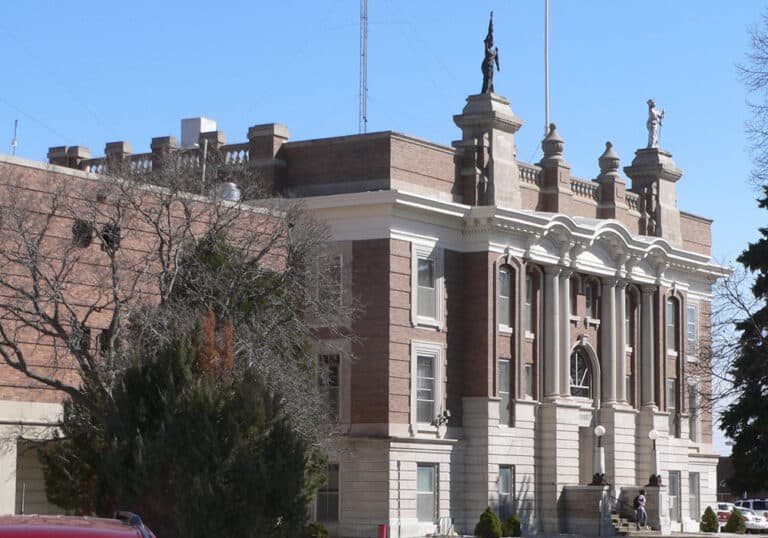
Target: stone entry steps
625,527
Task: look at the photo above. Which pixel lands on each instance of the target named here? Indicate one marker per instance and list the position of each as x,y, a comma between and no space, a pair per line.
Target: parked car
758,505
723,511
125,525
754,521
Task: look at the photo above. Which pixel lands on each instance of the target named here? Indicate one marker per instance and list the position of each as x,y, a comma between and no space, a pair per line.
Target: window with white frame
427,283
327,505
426,383
671,325
506,490
330,383
692,330
426,492
505,296
504,386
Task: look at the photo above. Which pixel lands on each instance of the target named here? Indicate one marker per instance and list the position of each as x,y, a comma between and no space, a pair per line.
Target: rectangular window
504,384
693,412
426,492
328,496
505,297
425,389
628,388
672,407
506,490
427,296
427,286
426,385
590,299
528,369
692,330
329,382
329,282
674,496
694,504
628,321
528,307
671,325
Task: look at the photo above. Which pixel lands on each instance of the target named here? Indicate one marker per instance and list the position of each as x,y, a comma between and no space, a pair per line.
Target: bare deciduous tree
90,268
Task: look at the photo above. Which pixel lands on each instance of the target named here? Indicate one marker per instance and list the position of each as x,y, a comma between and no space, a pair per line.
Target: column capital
610,281
648,289
552,270
566,272
622,283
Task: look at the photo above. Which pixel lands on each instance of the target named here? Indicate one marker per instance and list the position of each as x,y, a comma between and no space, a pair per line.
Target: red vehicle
125,525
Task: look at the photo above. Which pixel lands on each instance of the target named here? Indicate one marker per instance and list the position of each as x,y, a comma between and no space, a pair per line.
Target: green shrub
489,525
736,522
709,522
315,530
511,526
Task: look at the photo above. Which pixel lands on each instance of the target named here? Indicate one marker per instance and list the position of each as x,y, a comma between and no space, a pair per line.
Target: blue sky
87,73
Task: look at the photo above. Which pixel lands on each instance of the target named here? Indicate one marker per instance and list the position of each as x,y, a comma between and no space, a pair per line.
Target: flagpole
546,67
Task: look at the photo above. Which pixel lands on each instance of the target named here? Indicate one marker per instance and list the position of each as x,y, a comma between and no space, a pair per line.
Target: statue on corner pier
653,124
491,59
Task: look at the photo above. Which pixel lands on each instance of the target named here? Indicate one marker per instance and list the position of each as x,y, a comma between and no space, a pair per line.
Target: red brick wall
371,369
33,192
479,318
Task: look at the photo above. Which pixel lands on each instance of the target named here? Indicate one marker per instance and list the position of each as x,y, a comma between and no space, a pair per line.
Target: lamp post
598,479
655,479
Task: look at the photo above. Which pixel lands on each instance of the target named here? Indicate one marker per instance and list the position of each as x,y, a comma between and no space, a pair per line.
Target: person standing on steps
642,515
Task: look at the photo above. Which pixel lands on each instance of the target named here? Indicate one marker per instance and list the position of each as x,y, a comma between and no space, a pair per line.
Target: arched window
581,376
505,296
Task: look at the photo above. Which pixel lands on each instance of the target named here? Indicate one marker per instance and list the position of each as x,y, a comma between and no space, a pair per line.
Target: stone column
608,357
565,332
551,332
8,455
621,340
647,346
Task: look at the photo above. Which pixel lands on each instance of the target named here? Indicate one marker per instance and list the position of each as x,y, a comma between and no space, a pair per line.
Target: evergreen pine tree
746,419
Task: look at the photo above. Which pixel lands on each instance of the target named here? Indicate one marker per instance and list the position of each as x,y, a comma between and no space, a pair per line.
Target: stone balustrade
633,201
585,189
530,174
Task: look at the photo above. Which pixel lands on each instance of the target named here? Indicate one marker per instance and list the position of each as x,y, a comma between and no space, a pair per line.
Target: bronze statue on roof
491,59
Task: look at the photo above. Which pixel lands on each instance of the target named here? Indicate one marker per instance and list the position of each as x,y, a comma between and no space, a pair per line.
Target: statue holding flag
491,59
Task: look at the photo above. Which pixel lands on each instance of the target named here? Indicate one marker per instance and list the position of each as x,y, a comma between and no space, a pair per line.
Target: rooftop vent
191,129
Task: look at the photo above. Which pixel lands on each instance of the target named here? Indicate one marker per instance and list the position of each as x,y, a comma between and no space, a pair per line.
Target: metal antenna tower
15,142
363,119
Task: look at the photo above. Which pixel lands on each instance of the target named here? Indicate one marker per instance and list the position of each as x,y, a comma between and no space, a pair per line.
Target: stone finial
553,144
609,160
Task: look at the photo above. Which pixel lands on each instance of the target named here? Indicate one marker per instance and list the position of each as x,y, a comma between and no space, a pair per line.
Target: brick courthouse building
510,308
